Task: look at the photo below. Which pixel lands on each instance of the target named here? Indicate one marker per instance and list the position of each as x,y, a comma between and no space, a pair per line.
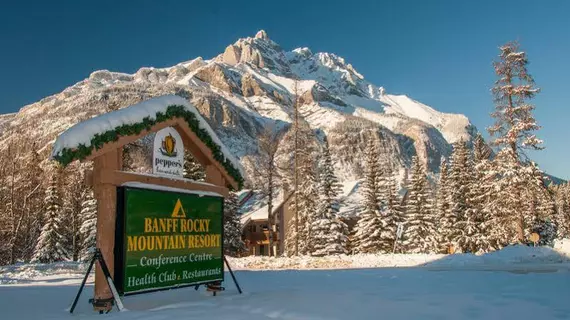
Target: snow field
415,291
385,293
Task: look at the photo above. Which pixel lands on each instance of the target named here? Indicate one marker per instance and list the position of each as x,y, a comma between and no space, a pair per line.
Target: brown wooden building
260,229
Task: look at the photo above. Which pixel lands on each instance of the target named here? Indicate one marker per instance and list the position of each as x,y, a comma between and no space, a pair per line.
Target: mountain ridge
250,84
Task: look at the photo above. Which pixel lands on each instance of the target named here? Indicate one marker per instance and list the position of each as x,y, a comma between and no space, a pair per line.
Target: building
262,230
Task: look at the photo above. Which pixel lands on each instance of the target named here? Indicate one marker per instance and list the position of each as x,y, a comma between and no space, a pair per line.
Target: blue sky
437,52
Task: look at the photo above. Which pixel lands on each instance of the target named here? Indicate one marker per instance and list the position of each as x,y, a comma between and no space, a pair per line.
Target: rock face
251,84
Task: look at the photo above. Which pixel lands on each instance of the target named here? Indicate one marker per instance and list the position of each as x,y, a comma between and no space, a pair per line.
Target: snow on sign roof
81,139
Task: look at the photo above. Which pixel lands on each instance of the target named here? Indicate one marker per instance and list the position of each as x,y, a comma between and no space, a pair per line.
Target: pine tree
233,243
51,244
481,150
193,170
540,211
562,217
297,151
88,229
479,193
506,223
465,226
368,235
514,123
420,235
390,213
444,221
329,233
297,231
513,131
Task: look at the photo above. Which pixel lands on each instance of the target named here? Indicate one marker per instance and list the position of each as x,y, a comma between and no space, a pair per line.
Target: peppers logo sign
168,145
168,155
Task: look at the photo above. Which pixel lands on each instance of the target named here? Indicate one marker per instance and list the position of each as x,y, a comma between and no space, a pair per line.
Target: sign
400,230
167,239
168,153
534,237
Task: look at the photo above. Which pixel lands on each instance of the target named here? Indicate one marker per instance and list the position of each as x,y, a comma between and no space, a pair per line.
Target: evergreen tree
481,150
51,244
88,229
299,236
444,222
464,228
419,230
233,243
193,170
390,212
479,194
506,224
562,217
514,123
368,235
297,233
297,152
540,209
329,233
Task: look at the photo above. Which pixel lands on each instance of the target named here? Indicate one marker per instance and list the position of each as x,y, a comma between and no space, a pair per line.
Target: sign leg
110,281
83,283
232,274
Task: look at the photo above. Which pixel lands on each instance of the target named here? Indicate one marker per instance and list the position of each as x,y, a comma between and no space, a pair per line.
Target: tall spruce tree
465,226
562,217
51,243
390,213
515,124
540,209
88,229
296,156
506,222
480,192
368,235
444,221
233,243
513,132
329,233
420,234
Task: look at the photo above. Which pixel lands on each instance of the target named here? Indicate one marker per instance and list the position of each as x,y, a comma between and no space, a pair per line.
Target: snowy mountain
252,84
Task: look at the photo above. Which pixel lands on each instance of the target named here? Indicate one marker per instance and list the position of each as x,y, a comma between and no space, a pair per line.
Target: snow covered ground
350,287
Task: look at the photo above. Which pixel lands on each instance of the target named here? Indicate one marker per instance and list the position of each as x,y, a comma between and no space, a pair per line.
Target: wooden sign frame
107,176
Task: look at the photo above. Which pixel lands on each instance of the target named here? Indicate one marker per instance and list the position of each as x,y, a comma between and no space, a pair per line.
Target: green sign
167,239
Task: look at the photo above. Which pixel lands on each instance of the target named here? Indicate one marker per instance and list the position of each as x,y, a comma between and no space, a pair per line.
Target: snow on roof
82,133
260,213
163,188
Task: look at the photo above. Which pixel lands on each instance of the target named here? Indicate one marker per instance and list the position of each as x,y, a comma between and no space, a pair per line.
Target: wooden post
106,214
214,176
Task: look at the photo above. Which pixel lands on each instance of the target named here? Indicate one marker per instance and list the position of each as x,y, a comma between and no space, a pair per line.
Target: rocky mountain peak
251,84
261,34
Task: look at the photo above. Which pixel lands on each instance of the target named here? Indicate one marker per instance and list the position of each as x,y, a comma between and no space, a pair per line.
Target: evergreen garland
175,111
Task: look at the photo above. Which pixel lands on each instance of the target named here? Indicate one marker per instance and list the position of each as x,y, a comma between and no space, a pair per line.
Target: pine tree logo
169,146
178,211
